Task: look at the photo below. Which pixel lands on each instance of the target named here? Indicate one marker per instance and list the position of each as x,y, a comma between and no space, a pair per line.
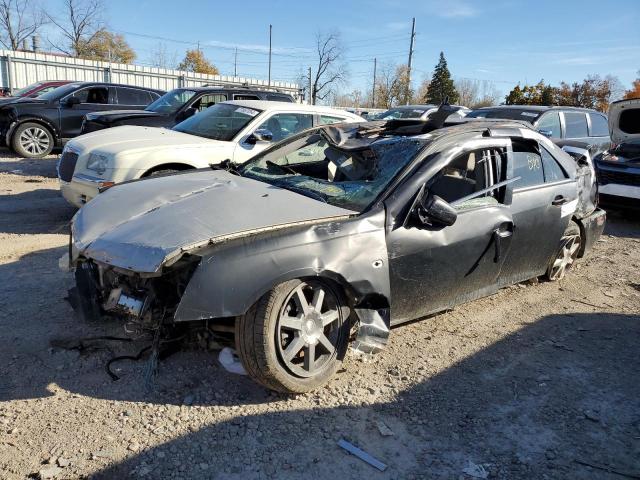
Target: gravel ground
536,381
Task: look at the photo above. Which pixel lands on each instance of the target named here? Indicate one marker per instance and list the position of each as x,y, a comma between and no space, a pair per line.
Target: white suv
235,130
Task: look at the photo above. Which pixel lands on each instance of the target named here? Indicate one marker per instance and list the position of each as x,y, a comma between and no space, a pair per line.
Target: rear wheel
567,253
32,140
295,337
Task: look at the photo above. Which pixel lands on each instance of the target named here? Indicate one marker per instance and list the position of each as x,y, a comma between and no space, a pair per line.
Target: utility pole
373,90
309,100
413,36
235,63
269,81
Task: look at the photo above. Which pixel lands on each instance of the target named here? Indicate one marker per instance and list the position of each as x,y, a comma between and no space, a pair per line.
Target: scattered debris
585,303
609,294
362,455
608,469
474,470
63,462
230,361
384,430
49,472
591,415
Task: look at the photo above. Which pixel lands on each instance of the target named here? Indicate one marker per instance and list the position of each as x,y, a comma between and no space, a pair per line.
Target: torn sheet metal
373,330
362,455
141,226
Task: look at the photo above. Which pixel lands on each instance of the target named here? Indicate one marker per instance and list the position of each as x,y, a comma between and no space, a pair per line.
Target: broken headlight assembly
98,162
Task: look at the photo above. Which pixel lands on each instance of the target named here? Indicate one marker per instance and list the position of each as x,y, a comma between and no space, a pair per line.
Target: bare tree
82,20
161,58
468,90
476,93
19,20
330,70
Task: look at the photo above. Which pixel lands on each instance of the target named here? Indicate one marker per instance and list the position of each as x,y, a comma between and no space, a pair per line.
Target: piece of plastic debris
362,455
384,430
475,471
230,361
63,263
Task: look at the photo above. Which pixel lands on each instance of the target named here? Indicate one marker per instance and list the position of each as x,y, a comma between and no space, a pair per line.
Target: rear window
279,98
575,124
630,120
599,125
132,96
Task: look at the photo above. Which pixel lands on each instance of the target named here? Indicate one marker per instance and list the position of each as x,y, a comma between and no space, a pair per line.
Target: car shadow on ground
542,399
44,167
531,405
44,211
622,223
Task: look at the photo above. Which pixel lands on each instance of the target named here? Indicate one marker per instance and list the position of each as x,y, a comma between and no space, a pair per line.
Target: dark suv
32,127
177,105
559,123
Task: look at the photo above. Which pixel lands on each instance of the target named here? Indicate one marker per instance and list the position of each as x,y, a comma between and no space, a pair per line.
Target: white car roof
267,105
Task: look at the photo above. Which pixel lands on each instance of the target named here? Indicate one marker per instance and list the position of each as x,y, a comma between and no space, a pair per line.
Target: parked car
234,130
38,88
32,127
559,123
177,105
367,225
619,168
420,112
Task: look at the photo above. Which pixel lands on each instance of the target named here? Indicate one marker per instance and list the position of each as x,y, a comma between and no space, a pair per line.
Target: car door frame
404,199
64,132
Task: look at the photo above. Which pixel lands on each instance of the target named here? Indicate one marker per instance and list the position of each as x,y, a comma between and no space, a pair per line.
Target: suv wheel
567,253
32,140
295,337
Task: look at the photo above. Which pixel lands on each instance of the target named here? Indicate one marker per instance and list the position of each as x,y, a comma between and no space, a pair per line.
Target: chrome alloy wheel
308,330
565,258
34,140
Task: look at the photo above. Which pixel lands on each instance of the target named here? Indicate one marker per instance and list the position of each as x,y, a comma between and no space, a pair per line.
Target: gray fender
233,276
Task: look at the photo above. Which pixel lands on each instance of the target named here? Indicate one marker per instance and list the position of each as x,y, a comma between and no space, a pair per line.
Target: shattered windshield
171,101
220,122
350,178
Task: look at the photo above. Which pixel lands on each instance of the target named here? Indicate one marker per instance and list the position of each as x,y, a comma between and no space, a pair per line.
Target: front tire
567,253
32,140
295,337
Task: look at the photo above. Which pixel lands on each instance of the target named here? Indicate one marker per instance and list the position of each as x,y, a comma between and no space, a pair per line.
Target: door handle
559,200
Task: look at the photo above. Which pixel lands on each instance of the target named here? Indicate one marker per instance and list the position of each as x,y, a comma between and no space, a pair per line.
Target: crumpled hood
624,120
136,138
141,225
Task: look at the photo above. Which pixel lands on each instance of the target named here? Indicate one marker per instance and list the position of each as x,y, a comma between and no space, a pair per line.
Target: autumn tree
635,89
329,71
391,85
442,87
106,46
195,61
19,20
420,95
78,22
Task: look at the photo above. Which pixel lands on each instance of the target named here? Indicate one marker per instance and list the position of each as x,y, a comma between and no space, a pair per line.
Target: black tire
264,338
567,253
32,140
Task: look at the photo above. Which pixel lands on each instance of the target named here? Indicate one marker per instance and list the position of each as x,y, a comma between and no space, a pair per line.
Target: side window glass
207,101
575,124
467,174
131,96
245,97
282,125
550,124
527,164
552,170
93,95
328,119
599,125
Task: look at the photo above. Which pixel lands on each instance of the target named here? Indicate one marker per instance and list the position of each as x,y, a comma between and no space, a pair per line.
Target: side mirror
433,210
546,133
260,135
71,101
186,113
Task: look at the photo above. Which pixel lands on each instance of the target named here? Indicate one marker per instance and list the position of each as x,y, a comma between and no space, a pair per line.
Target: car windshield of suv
60,92
403,113
171,101
349,178
219,122
506,114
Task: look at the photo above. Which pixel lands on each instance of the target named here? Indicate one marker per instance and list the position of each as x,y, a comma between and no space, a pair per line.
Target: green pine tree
442,85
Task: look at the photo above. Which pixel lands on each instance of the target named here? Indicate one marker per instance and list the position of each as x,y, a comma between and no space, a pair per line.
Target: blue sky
505,41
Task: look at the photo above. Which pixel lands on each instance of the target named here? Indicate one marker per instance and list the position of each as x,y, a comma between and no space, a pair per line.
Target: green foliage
441,86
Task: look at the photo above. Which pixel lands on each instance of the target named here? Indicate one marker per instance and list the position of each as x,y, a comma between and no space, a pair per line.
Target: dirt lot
534,382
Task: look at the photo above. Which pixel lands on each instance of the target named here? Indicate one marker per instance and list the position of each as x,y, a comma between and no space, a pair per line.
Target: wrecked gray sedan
332,237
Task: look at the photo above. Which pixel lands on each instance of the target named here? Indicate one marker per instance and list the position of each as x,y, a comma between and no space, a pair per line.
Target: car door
91,99
278,125
598,132
434,268
575,125
549,124
543,199
131,98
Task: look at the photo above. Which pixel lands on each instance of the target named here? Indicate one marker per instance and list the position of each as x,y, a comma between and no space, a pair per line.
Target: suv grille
67,165
624,178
